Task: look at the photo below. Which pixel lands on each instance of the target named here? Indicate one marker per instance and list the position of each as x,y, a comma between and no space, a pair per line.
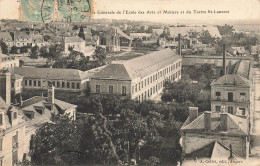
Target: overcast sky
239,10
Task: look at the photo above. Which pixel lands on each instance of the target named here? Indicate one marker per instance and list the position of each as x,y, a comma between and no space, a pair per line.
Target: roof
158,31
240,50
6,36
213,150
41,118
73,39
21,35
3,103
16,76
140,34
174,31
122,34
37,38
52,73
233,80
138,67
235,124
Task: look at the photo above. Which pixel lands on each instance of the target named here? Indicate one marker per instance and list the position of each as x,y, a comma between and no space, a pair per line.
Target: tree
226,30
206,38
81,33
34,54
14,50
4,47
55,52
193,34
57,143
100,55
23,49
44,52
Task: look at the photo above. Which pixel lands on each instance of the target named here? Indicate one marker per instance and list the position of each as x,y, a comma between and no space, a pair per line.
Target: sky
239,10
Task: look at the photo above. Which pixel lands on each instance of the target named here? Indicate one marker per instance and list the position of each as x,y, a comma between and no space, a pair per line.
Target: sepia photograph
130,82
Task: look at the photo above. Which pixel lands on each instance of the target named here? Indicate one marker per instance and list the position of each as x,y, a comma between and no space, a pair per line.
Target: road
256,108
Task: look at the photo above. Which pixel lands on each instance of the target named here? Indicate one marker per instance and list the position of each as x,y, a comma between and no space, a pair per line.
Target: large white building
140,78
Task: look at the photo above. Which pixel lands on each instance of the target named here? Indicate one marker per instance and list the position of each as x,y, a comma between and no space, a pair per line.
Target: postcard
129,82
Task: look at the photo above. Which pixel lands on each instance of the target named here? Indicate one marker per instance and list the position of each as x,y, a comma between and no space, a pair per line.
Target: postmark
56,10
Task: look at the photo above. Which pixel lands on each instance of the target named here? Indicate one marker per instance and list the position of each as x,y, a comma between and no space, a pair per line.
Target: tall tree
44,52
34,54
14,50
81,33
4,47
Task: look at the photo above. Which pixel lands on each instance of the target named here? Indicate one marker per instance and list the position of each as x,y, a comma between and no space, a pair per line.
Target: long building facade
140,78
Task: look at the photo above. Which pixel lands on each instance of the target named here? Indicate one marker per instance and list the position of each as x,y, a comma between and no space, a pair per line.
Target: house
238,51
140,78
12,135
214,135
75,43
142,36
233,92
22,39
255,50
70,80
39,110
7,38
38,40
8,62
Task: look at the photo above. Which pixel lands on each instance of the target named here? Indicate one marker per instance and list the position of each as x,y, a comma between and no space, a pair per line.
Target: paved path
256,108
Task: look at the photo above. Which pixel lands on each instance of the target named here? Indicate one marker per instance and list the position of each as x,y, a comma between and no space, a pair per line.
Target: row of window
147,81
230,96
56,84
241,111
149,92
111,89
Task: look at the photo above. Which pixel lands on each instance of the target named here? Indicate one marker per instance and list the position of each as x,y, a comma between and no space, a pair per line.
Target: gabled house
214,135
7,38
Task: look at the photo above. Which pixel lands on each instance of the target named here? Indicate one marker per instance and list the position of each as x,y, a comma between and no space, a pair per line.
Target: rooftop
235,124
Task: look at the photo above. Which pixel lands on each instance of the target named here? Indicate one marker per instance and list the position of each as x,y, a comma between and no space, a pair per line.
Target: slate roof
235,124
6,36
41,118
138,67
158,31
174,31
213,150
52,73
233,80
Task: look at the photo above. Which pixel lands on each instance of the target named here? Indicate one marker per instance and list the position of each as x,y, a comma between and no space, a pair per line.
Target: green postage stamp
55,10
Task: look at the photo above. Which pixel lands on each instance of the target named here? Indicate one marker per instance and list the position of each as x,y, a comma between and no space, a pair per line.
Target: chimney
223,121
193,112
5,88
224,60
179,44
207,120
51,95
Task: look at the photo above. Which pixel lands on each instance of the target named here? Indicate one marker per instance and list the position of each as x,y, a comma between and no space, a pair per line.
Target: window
97,88
39,83
73,85
142,84
217,108
26,82
111,88
135,87
230,110
78,86
58,84
241,111
1,146
68,85
230,96
217,93
12,85
242,96
63,84
151,79
53,83
1,119
15,115
30,82
34,83
123,90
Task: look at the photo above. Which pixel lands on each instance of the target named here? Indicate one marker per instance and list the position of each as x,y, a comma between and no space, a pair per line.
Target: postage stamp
56,10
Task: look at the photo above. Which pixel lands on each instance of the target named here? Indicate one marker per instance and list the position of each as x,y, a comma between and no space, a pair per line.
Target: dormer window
1,119
29,114
39,109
